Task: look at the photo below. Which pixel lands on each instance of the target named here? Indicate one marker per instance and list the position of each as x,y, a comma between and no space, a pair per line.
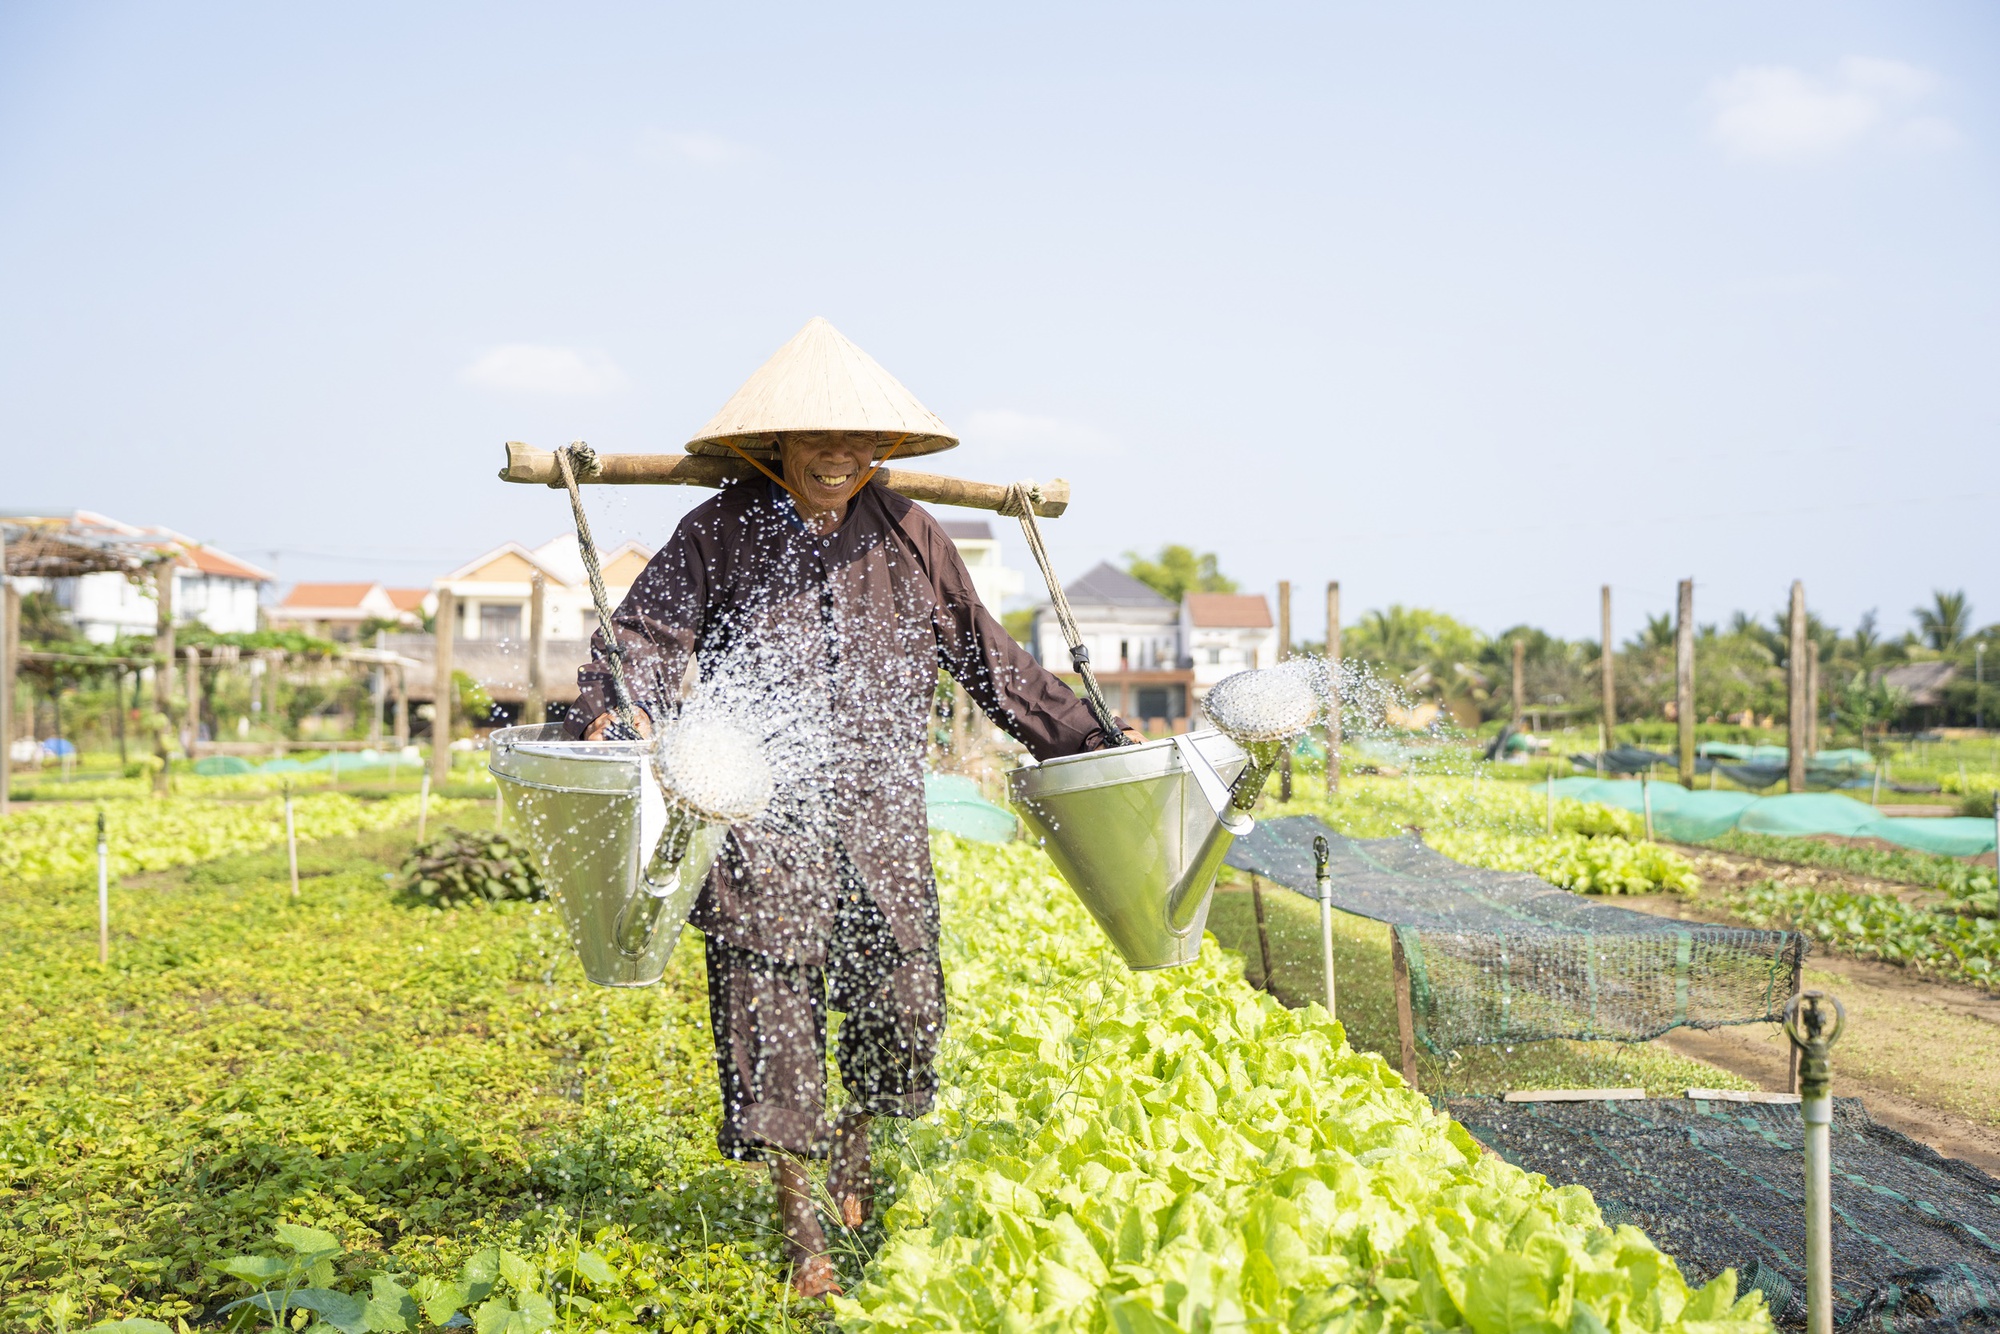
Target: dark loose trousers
830,646
769,1022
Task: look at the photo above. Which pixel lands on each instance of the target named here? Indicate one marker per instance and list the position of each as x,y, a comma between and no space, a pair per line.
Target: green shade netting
1696,817
281,767
1951,836
1678,814
1725,750
216,766
954,804
1793,813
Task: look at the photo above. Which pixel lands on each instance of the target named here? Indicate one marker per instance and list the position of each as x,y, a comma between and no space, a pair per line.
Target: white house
211,587
492,593
338,611
980,550
1126,626
1225,633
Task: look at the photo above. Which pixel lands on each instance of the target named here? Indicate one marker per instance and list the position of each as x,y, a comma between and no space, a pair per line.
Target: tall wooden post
536,708
1333,675
163,637
441,693
1812,699
1610,682
1795,691
117,715
10,633
1285,651
1520,697
1684,680
193,656
378,694
402,708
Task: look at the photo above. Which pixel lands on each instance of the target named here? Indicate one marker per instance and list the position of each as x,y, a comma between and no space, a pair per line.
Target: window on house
1124,650
501,622
1214,656
1160,702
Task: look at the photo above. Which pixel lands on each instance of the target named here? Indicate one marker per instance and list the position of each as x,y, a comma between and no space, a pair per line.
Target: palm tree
1943,623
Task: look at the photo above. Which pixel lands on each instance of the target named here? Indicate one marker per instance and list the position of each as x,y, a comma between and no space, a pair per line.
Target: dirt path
1923,1054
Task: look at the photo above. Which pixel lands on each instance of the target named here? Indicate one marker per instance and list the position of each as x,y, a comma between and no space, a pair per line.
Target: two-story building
1226,633
980,549
1133,635
492,593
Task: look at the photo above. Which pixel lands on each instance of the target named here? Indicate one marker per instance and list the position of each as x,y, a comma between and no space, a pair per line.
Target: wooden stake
402,708
103,894
1549,801
1406,1024
1520,699
193,656
1333,673
1812,701
163,671
1285,651
538,467
1795,691
10,649
291,839
535,710
423,804
1609,684
441,693
118,715
1263,936
1684,680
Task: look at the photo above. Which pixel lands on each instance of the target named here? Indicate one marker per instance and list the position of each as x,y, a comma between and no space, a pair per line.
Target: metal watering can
1138,832
624,851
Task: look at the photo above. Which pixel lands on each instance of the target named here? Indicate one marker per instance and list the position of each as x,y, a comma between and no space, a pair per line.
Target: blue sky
1472,307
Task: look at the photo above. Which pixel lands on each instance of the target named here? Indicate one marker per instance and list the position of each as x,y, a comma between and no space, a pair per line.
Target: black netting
1720,1185
1503,956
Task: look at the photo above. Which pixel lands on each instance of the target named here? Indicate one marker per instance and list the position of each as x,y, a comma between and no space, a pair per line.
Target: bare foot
805,1241
850,1178
813,1278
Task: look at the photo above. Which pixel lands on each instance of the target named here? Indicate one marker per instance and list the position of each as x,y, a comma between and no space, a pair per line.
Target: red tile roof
408,599
210,561
1229,611
326,595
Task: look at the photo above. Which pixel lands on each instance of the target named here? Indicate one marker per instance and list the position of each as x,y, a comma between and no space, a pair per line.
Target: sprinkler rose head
1272,705
713,768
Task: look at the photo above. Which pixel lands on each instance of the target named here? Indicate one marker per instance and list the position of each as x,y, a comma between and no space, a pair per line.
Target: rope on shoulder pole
1021,500
579,457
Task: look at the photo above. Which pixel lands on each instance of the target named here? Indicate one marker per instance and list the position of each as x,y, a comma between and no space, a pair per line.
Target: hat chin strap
803,504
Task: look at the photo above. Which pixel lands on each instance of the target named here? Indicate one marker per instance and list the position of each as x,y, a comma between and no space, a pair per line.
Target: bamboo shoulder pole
537,467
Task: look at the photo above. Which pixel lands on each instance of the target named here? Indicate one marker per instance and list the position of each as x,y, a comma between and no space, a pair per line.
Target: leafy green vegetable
1174,1151
1960,879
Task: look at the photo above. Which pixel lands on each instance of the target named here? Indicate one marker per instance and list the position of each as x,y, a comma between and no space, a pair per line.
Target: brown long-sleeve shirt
831,646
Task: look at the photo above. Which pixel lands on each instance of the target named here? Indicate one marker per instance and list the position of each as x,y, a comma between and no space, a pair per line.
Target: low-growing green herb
1879,926
458,867
1960,879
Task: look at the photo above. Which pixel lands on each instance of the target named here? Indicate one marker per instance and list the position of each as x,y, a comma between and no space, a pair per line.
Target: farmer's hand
1133,737
602,723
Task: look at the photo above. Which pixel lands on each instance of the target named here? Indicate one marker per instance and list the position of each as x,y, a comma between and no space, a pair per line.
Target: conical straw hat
821,382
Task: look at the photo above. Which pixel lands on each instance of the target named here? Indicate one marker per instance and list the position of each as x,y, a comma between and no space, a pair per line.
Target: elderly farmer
858,598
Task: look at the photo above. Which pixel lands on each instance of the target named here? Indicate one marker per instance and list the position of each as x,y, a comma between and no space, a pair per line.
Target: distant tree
1659,633
1944,623
1020,624
1179,570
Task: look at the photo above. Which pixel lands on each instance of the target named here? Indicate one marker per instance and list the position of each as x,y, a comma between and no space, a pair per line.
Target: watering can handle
1213,789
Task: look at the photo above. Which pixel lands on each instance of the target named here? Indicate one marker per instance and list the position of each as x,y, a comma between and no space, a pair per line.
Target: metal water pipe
1813,1021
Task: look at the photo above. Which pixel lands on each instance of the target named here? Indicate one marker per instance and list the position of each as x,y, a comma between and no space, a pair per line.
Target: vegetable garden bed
1114,1152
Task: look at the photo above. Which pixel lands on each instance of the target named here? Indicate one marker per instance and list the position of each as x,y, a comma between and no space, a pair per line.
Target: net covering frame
1501,957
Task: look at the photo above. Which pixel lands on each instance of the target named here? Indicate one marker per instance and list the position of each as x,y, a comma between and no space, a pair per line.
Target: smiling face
824,468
